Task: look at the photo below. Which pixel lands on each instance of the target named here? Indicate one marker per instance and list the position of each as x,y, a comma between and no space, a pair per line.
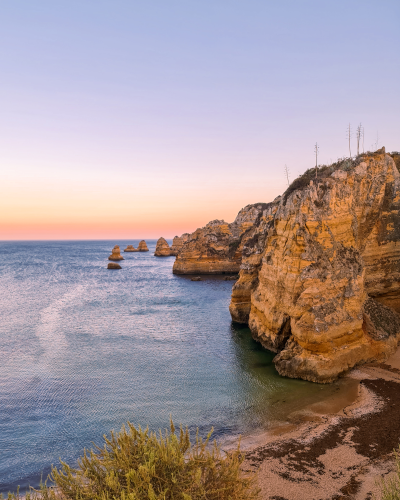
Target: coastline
338,454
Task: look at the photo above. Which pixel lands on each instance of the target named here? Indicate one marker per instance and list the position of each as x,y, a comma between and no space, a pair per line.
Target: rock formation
178,242
320,277
217,247
142,247
113,265
130,248
162,248
115,254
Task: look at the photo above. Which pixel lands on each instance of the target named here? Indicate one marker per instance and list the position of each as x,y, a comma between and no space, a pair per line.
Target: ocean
84,349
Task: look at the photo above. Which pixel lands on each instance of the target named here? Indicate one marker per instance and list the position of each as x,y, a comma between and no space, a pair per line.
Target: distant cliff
320,274
217,247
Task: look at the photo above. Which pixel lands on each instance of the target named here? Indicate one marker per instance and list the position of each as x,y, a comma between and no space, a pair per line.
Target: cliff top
325,171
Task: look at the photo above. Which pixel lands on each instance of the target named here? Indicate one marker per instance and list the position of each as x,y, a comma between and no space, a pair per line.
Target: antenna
287,172
349,138
359,132
316,149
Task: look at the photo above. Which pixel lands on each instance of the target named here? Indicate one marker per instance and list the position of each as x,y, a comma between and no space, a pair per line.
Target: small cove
84,349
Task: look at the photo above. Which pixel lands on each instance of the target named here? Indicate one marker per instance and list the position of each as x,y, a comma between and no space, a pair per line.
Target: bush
136,464
390,488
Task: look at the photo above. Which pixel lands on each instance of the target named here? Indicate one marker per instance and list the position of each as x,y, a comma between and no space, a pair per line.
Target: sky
140,119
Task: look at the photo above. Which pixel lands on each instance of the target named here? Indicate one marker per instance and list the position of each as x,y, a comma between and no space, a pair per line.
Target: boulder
162,248
115,254
142,247
113,265
196,278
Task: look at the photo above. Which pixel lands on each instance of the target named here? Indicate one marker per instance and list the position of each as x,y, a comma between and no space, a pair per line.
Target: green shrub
136,464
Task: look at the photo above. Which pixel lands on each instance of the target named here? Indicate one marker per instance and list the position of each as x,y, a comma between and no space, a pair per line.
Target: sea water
84,349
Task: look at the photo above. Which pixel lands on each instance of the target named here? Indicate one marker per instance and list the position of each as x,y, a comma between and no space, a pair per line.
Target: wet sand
335,450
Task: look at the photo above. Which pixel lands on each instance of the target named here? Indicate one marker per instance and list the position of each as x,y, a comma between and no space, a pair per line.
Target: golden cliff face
217,247
162,248
142,247
178,242
313,260
115,254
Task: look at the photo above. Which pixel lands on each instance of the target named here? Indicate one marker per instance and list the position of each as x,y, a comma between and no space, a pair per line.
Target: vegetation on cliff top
136,464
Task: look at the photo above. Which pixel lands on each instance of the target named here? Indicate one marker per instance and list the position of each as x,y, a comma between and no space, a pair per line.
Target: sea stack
162,248
142,247
115,254
130,248
320,276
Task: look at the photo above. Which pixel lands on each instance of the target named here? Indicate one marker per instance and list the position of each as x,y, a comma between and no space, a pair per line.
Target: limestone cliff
178,242
142,246
217,247
320,266
162,248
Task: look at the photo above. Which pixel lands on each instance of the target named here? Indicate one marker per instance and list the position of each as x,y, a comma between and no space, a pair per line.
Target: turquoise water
84,349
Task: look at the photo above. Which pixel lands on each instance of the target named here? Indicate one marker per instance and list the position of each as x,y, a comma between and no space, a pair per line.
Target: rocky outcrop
113,265
217,247
115,254
178,242
320,277
130,248
162,248
142,247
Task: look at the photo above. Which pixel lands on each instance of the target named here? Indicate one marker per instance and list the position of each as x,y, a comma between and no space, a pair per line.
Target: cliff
320,276
130,248
162,248
217,247
178,242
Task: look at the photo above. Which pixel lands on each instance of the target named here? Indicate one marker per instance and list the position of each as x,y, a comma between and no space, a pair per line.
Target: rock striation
142,247
115,254
319,282
178,242
162,248
217,247
130,248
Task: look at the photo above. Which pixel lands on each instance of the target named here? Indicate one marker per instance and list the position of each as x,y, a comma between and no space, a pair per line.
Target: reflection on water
84,349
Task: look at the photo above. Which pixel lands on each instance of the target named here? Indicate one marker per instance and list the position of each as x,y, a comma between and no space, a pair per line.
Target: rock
142,247
217,247
178,242
115,254
113,265
231,278
196,278
321,268
130,248
162,248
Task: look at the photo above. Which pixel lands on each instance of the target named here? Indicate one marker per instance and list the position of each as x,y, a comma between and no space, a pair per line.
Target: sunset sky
140,119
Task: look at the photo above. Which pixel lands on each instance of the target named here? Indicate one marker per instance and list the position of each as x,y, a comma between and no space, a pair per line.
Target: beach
337,455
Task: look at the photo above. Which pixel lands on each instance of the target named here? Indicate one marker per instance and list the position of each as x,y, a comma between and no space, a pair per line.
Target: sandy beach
337,450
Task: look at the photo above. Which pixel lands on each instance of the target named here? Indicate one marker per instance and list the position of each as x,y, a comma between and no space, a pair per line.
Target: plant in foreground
136,464
390,487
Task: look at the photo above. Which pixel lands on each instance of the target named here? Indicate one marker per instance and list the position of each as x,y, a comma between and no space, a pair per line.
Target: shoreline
339,454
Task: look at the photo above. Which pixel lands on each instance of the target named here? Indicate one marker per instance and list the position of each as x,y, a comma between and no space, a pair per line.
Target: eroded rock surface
178,242
162,248
217,247
115,254
320,268
142,246
130,248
